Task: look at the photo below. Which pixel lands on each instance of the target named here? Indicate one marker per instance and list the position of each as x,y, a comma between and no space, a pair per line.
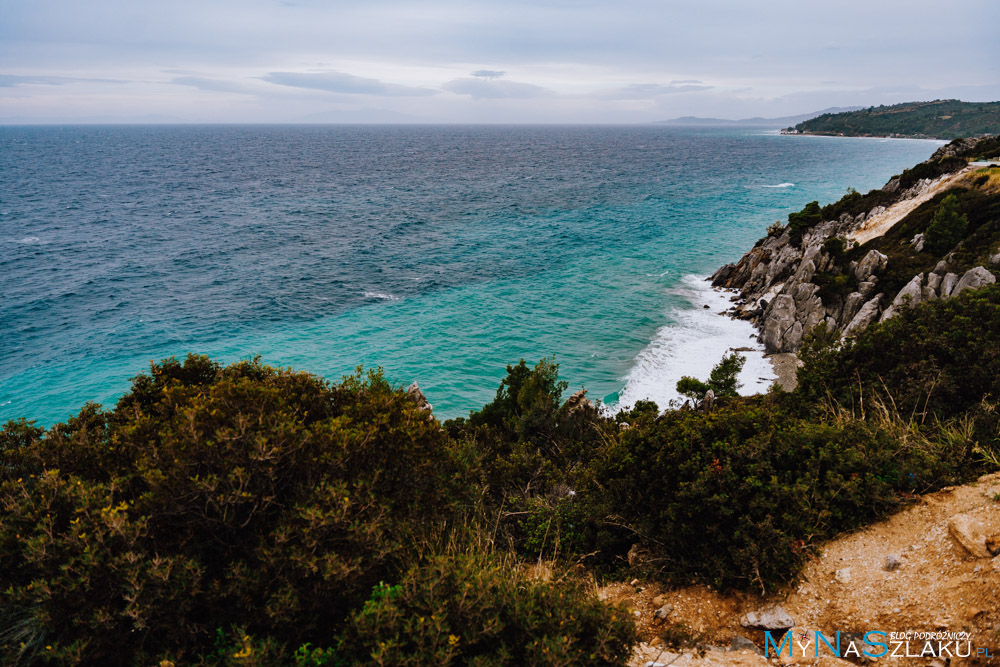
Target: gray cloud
338,82
480,89
11,80
213,85
645,91
488,73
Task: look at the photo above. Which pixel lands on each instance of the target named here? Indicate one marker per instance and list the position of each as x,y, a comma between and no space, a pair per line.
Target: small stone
775,618
634,582
973,533
663,612
892,563
843,575
741,643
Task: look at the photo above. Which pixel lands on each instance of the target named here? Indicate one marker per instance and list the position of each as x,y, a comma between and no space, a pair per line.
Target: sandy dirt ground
935,585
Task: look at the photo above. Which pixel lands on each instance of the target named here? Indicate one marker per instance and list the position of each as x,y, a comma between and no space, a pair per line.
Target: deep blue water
439,253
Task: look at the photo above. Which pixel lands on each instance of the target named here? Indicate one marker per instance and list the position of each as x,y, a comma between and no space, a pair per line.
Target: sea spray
696,340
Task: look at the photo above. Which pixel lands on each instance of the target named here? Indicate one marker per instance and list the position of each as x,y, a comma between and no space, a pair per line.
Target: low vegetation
940,119
248,515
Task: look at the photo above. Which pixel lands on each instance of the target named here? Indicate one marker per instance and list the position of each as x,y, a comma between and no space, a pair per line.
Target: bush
723,380
210,498
801,221
939,359
472,610
947,228
740,497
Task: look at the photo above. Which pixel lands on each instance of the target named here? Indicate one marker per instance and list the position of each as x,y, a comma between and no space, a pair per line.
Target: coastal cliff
929,233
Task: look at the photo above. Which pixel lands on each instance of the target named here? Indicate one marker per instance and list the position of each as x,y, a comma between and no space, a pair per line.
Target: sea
439,253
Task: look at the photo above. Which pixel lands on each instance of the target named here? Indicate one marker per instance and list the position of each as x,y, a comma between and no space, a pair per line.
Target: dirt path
937,585
879,224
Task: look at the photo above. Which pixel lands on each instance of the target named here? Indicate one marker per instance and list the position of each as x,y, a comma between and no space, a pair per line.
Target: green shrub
214,497
473,610
947,228
939,359
741,496
722,380
801,221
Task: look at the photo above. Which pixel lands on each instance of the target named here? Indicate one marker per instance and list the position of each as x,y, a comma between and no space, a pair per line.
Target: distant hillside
940,119
784,121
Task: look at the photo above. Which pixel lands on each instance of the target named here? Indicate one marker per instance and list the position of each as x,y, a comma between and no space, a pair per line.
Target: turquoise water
439,253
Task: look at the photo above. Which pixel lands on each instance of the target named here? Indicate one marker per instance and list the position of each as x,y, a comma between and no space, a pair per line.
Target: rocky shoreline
783,284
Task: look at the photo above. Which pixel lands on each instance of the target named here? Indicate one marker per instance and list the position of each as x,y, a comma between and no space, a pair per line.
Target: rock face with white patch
787,287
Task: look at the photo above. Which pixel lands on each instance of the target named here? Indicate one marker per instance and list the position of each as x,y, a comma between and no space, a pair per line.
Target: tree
947,228
723,380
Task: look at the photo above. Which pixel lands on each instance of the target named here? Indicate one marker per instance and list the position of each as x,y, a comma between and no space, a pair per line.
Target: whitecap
380,295
692,345
780,185
28,240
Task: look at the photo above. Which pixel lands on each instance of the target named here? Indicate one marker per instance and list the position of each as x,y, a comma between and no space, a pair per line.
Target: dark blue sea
440,253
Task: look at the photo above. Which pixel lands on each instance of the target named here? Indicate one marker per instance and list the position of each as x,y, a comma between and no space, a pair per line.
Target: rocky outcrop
787,286
415,393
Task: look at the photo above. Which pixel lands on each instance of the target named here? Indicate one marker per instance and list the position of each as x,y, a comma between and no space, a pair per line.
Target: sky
485,61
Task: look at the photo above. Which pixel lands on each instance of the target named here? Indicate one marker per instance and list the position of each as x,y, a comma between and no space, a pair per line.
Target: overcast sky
573,61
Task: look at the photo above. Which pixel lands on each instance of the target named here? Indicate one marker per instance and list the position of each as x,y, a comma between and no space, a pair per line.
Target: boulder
867,287
807,269
773,618
843,575
578,401
934,281
948,284
741,643
866,315
917,242
995,259
871,263
910,295
852,303
892,563
778,318
941,268
663,612
973,278
977,532
414,392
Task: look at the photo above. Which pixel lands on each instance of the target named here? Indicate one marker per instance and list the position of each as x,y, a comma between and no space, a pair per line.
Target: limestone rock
778,318
995,259
843,575
917,242
892,563
871,263
741,643
578,401
948,284
934,281
973,278
852,303
866,315
910,295
663,612
977,532
414,392
774,618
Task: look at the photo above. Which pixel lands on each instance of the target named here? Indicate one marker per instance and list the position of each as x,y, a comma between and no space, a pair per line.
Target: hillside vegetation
940,119
251,515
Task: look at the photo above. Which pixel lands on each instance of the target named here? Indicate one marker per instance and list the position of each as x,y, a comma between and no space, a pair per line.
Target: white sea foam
28,240
780,185
380,295
692,345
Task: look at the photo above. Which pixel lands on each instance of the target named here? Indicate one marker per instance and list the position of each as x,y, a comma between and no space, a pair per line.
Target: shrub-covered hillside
940,119
249,515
